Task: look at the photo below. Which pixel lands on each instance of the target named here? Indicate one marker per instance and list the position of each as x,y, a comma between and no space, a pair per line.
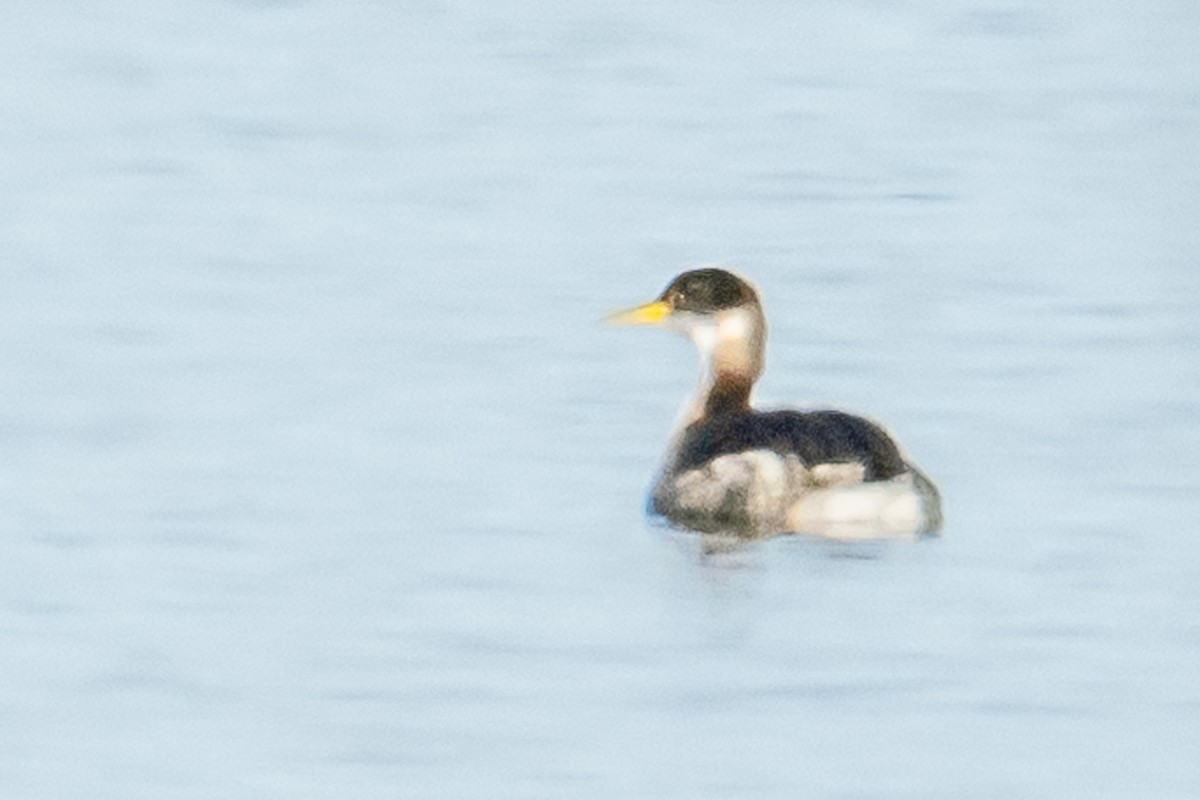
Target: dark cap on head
708,290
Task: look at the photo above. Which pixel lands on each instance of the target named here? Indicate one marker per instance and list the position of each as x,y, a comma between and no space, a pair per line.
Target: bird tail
931,500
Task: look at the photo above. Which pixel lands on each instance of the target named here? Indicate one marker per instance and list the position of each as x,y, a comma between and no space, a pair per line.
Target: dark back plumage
815,437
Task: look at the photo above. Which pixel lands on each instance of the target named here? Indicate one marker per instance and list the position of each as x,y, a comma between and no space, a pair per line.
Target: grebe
730,469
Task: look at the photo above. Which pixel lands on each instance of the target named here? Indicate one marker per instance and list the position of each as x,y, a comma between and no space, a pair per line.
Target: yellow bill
648,314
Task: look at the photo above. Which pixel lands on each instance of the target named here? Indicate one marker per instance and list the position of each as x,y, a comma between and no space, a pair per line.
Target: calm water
320,478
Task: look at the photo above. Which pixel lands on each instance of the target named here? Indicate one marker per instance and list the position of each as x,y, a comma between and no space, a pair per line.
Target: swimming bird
732,469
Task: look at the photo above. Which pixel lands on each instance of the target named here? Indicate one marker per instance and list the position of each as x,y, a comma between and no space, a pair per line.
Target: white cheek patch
734,325
700,328
706,336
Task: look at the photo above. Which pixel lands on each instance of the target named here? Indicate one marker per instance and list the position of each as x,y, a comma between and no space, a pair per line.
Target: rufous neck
732,348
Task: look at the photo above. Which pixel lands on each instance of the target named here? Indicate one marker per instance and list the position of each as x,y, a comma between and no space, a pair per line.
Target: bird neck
732,348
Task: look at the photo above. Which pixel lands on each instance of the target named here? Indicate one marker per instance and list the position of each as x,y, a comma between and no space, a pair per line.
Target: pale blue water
320,478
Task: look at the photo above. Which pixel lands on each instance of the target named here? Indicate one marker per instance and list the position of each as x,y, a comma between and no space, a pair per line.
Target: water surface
321,478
